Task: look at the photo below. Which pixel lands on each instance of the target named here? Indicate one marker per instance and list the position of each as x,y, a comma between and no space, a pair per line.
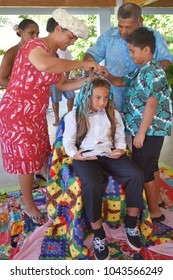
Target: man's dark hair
130,10
141,38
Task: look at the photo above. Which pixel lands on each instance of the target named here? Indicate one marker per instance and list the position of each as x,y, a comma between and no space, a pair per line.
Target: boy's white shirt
97,132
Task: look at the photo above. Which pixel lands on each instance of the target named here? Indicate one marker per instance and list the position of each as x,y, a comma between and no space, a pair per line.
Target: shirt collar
102,112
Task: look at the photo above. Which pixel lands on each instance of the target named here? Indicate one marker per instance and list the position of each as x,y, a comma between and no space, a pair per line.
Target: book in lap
97,151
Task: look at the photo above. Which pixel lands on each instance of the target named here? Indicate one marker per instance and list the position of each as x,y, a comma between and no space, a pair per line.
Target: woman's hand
79,156
116,153
91,64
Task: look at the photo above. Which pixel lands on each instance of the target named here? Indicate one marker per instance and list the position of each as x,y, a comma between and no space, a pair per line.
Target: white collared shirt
98,132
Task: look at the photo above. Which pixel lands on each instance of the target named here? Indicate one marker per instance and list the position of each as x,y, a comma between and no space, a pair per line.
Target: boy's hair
83,108
141,38
130,10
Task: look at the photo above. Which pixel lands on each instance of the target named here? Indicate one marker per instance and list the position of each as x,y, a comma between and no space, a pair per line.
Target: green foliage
24,17
163,24
2,52
169,75
82,45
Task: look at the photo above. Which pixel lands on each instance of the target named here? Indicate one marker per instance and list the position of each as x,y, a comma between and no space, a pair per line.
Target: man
112,47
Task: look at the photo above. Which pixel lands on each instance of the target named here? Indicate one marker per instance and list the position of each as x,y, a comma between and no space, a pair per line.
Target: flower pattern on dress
23,126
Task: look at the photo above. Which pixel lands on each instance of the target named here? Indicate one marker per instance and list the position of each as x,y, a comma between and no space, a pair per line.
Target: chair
65,206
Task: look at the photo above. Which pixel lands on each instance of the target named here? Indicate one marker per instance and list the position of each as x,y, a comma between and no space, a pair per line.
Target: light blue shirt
111,48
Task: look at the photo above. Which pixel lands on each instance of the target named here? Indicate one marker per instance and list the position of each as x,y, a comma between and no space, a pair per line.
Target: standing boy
147,111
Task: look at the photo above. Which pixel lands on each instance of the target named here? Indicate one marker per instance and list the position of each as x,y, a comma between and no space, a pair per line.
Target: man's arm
88,57
164,64
162,53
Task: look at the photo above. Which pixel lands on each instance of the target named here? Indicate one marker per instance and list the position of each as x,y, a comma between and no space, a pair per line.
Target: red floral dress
23,126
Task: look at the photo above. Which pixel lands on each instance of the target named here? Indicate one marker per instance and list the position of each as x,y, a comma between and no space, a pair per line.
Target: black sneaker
101,250
133,237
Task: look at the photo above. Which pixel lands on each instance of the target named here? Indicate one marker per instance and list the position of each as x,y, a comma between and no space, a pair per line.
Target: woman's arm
7,65
68,85
45,63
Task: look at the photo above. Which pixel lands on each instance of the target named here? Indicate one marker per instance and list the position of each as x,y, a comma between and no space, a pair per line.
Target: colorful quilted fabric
15,231
69,237
65,206
14,228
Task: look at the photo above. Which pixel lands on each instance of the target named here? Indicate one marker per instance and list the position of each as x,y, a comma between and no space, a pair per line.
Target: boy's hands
139,140
103,71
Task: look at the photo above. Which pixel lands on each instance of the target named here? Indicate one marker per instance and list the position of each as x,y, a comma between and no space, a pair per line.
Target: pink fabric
163,249
32,245
169,217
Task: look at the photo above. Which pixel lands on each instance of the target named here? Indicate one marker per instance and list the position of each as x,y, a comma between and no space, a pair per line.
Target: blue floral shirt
111,48
146,81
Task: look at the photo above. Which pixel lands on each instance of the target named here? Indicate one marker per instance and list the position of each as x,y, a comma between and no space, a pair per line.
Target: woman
24,133
26,30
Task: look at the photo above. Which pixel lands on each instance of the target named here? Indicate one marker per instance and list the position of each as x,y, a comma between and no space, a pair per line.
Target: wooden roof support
81,3
141,2
161,4
58,3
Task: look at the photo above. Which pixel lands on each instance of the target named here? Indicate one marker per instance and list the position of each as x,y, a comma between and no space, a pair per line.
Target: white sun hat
67,21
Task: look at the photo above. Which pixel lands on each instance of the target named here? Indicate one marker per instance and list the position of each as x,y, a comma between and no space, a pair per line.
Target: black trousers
93,175
147,157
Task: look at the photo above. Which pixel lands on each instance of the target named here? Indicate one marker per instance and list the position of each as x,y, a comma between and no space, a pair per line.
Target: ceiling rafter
58,3
141,2
81,3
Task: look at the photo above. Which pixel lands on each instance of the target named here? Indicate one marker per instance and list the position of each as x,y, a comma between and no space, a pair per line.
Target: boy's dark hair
141,38
24,24
130,10
51,24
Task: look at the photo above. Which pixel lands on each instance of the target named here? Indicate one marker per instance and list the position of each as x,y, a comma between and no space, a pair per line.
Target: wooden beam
58,3
141,2
161,4
81,3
